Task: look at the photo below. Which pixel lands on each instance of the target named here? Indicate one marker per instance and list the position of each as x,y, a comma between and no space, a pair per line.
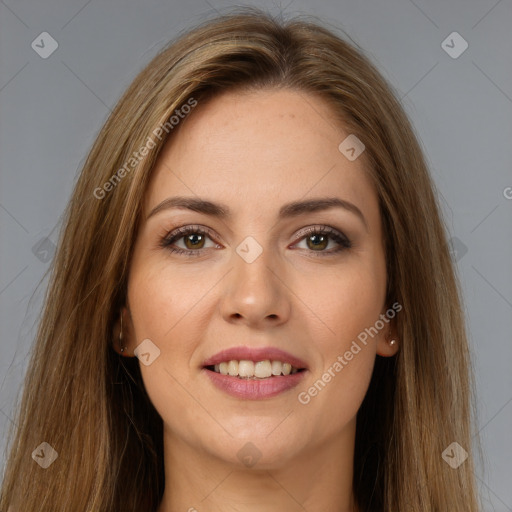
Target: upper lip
255,354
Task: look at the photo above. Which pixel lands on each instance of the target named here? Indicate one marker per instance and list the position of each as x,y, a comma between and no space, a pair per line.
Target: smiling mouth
245,369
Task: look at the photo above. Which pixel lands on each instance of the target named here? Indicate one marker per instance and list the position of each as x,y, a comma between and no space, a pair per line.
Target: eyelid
185,229
321,228
190,228
177,234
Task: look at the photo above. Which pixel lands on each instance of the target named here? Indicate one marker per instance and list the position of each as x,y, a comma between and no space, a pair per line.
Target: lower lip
254,389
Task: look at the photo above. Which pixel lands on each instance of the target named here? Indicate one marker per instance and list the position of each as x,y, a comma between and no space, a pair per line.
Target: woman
253,305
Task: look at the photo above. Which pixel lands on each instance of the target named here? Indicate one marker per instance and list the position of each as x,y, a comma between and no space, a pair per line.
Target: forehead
258,150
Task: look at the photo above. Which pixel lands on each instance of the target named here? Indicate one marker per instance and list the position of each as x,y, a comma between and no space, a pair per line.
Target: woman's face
256,278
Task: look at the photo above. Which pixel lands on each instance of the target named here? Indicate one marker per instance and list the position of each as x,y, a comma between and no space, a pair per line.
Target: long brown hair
90,404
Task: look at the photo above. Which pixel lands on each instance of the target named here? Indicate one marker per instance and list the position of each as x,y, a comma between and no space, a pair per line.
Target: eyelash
180,233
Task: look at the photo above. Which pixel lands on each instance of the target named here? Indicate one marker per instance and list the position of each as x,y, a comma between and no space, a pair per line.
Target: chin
257,451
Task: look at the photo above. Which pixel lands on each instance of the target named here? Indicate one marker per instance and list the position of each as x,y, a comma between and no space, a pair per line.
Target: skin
254,152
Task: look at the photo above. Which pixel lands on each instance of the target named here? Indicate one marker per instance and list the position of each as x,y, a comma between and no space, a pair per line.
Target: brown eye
317,239
194,241
193,237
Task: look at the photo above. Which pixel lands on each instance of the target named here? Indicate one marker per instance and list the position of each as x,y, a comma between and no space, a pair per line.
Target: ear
127,333
388,342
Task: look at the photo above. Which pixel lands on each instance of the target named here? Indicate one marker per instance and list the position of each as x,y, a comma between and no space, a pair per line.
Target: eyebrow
289,210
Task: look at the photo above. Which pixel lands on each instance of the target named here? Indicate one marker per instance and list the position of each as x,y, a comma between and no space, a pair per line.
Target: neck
316,479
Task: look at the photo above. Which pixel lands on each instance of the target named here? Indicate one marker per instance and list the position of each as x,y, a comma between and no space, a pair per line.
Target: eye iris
322,244
193,238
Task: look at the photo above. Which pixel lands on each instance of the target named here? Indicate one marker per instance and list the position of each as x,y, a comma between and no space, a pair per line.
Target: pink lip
253,389
255,354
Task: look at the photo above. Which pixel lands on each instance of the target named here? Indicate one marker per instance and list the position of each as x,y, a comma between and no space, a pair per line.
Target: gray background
51,110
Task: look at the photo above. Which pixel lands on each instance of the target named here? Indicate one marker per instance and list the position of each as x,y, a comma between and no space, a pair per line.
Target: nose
256,293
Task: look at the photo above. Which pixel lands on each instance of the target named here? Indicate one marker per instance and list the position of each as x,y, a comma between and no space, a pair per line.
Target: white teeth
277,366
245,369
223,368
233,368
256,370
262,369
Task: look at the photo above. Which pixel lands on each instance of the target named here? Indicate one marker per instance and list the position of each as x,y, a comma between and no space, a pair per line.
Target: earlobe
388,345
119,341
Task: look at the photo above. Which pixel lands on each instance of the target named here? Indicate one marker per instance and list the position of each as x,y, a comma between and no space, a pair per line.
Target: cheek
335,390
348,306
345,302
165,302
334,395
164,309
